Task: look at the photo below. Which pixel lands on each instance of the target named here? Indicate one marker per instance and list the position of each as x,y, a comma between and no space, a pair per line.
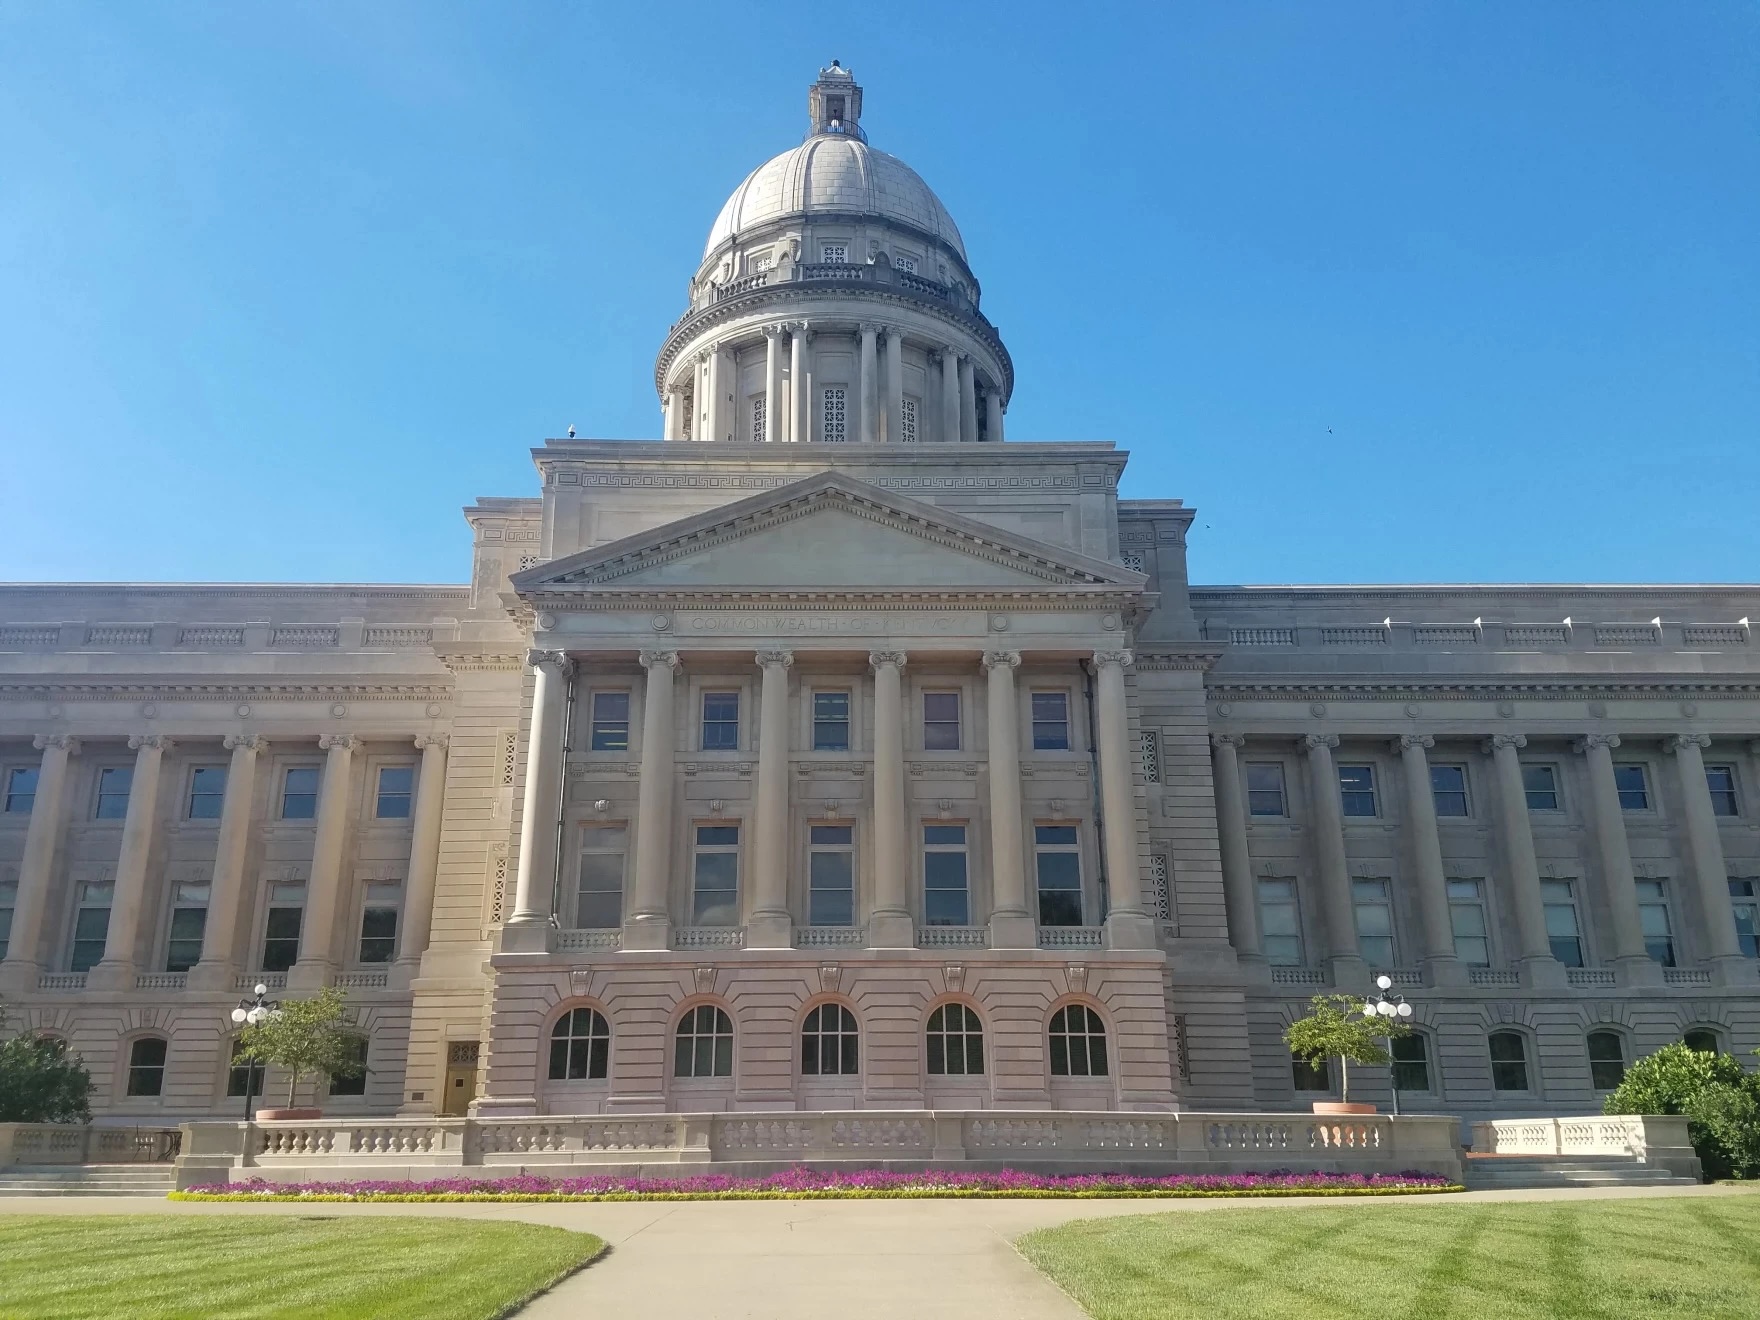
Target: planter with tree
1348,1029
306,1037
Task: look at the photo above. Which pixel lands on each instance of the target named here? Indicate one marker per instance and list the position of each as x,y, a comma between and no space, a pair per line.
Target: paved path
789,1260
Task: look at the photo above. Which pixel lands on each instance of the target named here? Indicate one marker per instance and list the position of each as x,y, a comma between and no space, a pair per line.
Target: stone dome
834,173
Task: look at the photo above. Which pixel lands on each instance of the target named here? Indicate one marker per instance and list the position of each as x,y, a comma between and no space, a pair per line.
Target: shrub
40,1082
1721,1100
1338,1027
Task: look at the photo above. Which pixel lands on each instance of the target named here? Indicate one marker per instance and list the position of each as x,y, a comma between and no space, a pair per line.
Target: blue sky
1389,291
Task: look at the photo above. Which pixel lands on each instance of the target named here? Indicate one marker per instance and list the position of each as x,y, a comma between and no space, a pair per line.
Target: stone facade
775,773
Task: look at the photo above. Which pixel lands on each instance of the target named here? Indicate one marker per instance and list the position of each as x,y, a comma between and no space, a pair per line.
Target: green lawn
1508,1261
193,1267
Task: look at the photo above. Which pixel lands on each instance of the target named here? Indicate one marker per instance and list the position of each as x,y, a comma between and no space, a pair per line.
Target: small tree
1337,1027
304,1036
1720,1099
41,1082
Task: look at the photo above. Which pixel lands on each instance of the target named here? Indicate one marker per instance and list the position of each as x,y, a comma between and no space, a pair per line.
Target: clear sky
1395,291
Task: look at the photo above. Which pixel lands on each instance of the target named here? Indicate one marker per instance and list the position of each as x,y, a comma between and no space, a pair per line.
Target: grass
191,1267
1578,1260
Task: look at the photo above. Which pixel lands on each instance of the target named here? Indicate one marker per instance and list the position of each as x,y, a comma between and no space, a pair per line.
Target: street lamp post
249,1013
1388,1011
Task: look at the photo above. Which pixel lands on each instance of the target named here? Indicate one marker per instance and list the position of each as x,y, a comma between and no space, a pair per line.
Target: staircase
89,1180
1496,1172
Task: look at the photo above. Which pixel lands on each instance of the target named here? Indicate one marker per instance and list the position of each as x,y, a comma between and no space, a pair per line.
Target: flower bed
812,1184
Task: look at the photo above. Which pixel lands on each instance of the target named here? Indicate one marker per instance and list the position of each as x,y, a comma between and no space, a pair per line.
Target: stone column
1128,924
949,396
1706,851
703,403
117,969
36,868
717,394
1013,922
1345,954
219,961
775,410
673,415
769,926
650,920
526,928
968,402
894,428
1238,890
317,932
1618,880
424,855
800,386
1533,950
870,385
993,414
890,925
1440,963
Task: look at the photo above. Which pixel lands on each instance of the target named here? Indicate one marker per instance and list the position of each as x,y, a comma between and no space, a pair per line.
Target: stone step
89,1180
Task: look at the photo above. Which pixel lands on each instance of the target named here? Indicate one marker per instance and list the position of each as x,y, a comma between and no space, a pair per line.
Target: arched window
580,1046
1703,1039
1311,1076
146,1066
956,1042
1411,1062
704,1045
828,1042
1607,1060
242,1074
353,1080
1078,1042
1509,1061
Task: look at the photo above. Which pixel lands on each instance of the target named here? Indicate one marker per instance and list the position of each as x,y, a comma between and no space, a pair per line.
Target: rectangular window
396,783
1059,861
1265,795
189,917
1744,896
1634,787
1280,922
1466,913
715,884
610,722
379,921
1540,784
1356,788
941,721
1374,921
907,430
599,896
287,905
299,793
1448,789
1050,721
207,792
1720,780
1653,920
720,721
91,926
8,901
113,785
760,431
831,876
833,254
830,721
946,897
1563,932
353,1081
21,790
832,417
1311,1076
1411,1063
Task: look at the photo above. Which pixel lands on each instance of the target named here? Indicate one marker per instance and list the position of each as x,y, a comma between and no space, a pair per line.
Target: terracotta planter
288,1115
1338,1107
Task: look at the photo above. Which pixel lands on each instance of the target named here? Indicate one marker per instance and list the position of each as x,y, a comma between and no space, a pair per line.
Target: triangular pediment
832,532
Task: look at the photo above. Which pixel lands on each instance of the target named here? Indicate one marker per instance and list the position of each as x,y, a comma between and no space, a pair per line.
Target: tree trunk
292,1085
1344,1079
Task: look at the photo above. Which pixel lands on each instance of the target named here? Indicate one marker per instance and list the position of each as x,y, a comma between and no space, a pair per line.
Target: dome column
870,429
968,402
674,415
993,414
949,396
800,385
774,420
894,387
717,412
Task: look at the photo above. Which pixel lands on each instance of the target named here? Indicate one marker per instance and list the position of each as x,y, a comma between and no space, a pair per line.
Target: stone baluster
117,969
968,402
36,868
424,854
1441,965
1705,850
1336,899
890,925
870,385
1013,925
226,895
1618,879
1238,889
650,920
1128,924
317,932
769,926
949,396
1534,949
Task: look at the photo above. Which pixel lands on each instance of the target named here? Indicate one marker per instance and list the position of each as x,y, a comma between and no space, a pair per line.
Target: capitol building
837,751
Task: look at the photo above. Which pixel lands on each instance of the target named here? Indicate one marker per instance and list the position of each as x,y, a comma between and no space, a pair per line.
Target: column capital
159,742
1228,740
659,659
1123,659
250,741
63,741
427,740
1001,660
343,742
1681,741
558,660
775,330
1589,741
1410,740
868,327
770,659
803,330
1498,741
880,659
1309,742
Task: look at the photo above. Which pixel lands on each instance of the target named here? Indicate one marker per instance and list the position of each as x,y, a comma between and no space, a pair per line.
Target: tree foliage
1720,1099
1337,1028
305,1036
42,1082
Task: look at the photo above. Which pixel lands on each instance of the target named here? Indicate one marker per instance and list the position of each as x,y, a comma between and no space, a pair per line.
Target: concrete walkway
789,1260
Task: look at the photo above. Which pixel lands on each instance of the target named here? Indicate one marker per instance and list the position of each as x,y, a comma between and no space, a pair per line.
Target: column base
212,976
110,976
1445,971
1542,973
404,972
1013,930
1350,974
510,1107
1732,969
524,937
19,978
1129,930
1637,972
891,930
770,930
309,974
647,935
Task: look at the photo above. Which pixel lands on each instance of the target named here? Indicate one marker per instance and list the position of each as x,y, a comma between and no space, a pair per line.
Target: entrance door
461,1078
